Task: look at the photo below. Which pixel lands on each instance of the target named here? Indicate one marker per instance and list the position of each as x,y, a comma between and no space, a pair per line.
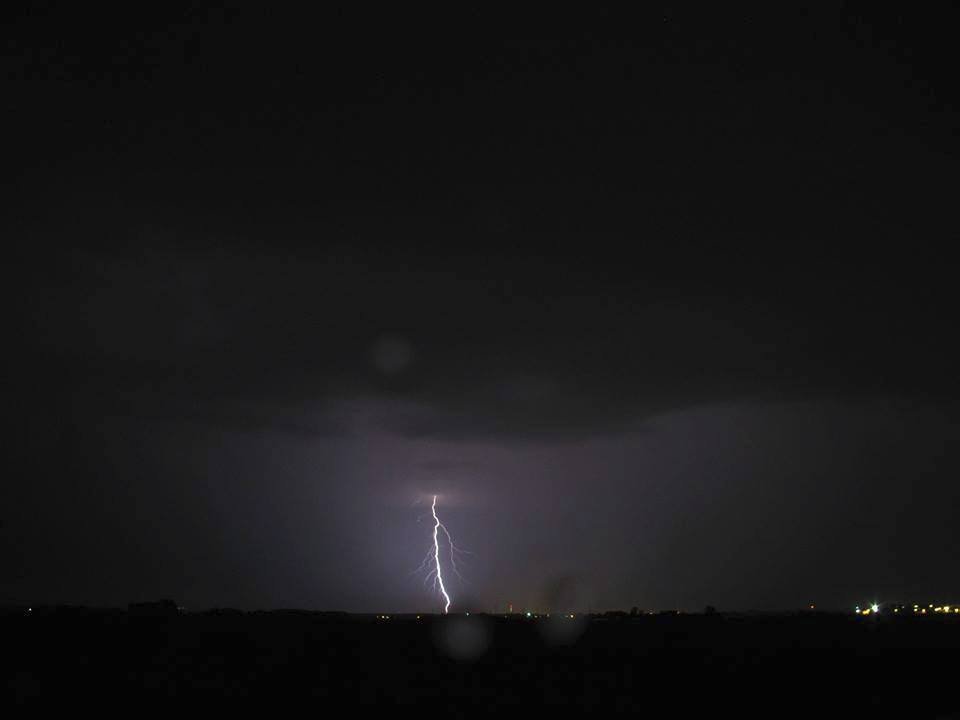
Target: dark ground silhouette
813,665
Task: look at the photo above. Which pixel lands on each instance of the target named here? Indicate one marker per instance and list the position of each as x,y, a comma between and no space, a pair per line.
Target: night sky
661,307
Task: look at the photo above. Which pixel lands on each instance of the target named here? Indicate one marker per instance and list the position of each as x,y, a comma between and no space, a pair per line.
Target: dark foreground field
677,666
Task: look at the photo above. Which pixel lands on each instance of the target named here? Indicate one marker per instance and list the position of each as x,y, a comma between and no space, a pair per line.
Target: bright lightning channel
436,553
431,562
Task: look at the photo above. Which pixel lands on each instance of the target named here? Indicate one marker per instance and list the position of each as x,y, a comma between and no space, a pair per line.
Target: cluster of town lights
917,609
939,609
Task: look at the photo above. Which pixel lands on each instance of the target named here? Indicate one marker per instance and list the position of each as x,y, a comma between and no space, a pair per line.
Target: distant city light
875,608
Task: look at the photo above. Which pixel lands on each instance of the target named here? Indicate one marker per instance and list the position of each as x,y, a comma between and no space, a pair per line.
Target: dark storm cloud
557,240
513,347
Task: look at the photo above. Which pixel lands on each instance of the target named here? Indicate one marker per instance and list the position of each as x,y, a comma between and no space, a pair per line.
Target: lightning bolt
436,553
431,563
